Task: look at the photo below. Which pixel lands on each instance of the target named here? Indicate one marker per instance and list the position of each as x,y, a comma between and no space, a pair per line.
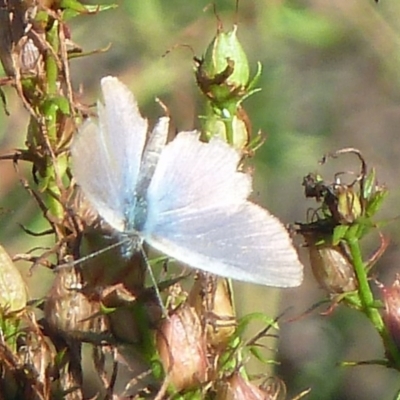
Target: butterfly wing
106,156
198,213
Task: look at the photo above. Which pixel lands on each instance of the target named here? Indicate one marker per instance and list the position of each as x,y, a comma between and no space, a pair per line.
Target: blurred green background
331,79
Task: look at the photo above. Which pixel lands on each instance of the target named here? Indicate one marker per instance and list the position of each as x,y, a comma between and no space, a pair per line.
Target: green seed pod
223,73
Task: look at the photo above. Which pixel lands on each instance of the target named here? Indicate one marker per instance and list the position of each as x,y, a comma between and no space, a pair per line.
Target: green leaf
74,8
375,202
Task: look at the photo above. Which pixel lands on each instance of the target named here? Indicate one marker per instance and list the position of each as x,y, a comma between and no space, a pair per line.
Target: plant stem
368,301
50,111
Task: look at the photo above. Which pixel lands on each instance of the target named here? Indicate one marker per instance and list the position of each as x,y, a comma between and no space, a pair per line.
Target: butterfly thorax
131,243
135,214
135,218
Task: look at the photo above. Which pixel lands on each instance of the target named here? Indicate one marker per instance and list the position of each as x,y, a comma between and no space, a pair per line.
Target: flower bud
182,349
223,73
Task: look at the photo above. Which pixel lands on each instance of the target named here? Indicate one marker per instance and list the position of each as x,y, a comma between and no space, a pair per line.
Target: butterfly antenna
153,279
92,255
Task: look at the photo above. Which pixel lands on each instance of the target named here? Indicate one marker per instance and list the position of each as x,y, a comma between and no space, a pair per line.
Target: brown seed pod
71,312
391,315
182,349
236,387
331,265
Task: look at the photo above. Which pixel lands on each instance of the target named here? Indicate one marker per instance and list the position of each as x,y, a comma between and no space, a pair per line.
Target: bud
223,73
182,349
391,315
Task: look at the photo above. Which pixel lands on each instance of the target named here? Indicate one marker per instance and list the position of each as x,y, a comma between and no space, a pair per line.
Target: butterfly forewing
124,136
94,175
106,156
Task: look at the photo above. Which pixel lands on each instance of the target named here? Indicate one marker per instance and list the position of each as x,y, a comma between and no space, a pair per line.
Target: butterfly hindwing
198,213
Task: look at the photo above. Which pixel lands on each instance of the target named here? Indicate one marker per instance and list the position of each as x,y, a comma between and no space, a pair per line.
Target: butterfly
186,198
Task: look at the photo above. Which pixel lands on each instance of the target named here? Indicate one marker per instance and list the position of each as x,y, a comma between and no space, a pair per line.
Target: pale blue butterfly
186,198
